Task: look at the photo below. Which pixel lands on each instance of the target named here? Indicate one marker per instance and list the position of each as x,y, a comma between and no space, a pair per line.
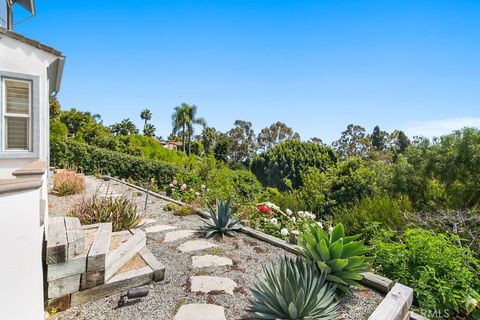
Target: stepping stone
206,284
209,260
146,221
177,235
200,312
195,245
159,228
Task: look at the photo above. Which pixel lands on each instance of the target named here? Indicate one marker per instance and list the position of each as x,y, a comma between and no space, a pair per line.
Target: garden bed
248,256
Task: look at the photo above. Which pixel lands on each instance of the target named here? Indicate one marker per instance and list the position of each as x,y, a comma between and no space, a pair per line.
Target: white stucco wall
19,57
21,291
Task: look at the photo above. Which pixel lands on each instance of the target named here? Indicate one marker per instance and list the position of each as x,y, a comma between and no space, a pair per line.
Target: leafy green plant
67,182
121,211
221,220
341,257
291,289
390,212
443,274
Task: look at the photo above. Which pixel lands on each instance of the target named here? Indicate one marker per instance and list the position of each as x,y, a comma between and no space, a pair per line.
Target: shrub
288,160
293,290
390,212
342,258
442,273
120,211
66,182
93,160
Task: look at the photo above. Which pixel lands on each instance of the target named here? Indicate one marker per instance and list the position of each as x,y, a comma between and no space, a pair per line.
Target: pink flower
264,209
183,187
191,190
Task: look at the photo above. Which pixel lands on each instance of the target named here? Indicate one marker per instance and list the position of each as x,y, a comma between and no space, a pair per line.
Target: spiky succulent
341,257
291,289
221,220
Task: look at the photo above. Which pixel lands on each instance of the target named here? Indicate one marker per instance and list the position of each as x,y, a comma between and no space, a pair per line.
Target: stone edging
34,168
369,279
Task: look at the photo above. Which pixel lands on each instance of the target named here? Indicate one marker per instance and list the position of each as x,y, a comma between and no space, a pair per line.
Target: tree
288,161
146,115
209,139
222,147
55,108
192,120
317,140
400,141
378,138
242,139
149,130
74,119
353,142
124,128
273,135
179,122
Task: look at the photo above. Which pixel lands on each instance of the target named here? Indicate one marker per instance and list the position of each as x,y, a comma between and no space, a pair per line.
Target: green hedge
289,160
93,160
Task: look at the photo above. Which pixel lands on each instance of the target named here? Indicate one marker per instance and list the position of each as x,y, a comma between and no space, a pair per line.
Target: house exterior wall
21,252
21,59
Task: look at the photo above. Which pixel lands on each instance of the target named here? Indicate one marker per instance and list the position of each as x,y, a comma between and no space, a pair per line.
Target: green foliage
291,289
274,135
341,257
289,160
55,109
222,220
58,130
74,119
121,211
92,160
390,212
442,273
124,128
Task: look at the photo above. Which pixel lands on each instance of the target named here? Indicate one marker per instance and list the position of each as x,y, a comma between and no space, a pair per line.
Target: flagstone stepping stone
159,228
199,311
146,221
195,245
209,260
177,235
206,284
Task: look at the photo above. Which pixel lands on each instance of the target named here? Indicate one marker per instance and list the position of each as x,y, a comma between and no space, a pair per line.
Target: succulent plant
292,289
222,220
341,257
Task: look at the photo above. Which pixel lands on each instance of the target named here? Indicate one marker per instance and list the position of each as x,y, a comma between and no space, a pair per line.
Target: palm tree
146,115
183,120
149,130
179,121
193,120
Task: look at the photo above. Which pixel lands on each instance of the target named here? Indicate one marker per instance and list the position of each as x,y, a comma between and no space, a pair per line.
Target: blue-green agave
222,221
292,289
341,257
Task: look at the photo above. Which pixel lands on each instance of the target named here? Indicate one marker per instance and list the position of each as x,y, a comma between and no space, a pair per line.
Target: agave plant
292,289
342,258
222,220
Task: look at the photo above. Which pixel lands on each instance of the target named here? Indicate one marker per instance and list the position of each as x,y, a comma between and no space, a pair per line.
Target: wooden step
98,253
75,237
56,241
117,258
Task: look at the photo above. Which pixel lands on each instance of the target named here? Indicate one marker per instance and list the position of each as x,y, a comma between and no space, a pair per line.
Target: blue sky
316,65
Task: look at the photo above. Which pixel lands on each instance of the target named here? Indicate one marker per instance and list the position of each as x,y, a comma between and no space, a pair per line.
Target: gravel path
166,297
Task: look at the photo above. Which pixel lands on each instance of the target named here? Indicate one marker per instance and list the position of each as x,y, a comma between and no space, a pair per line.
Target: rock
209,260
194,245
177,235
159,228
200,312
208,284
146,221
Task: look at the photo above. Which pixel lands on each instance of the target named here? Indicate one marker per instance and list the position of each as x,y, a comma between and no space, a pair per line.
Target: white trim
16,115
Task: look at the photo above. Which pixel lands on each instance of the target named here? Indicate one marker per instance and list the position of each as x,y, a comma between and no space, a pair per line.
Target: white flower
274,221
197,194
320,224
294,219
289,212
284,232
203,187
275,207
295,232
301,214
268,205
330,229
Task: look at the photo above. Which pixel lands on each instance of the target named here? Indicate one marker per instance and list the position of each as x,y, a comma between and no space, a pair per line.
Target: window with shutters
17,114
